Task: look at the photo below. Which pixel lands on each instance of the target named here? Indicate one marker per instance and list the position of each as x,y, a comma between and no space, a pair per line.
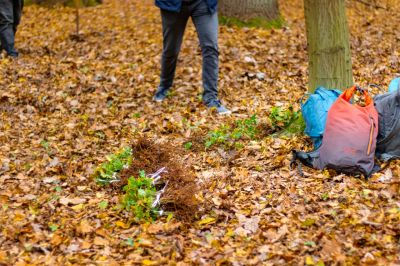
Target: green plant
246,127
281,118
296,127
130,242
287,120
218,136
325,196
231,135
53,227
103,204
140,194
107,172
45,144
188,145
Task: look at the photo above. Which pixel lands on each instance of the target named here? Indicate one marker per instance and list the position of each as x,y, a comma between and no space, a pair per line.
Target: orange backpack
350,136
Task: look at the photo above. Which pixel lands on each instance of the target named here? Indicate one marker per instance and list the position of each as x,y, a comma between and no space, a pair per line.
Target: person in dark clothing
10,17
175,15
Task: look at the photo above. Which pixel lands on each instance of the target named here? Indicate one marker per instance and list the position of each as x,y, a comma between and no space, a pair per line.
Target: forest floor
66,103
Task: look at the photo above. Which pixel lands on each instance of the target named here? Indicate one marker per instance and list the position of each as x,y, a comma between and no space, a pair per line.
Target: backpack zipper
371,135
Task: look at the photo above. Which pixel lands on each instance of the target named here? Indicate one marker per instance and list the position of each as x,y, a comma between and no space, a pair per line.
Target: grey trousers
206,24
10,16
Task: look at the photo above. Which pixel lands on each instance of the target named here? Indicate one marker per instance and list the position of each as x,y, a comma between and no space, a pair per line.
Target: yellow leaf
309,260
208,220
103,258
149,262
77,207
121,224
230,233
387,239
394,210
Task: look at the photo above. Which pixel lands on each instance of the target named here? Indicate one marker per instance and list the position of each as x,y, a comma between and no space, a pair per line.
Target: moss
257,22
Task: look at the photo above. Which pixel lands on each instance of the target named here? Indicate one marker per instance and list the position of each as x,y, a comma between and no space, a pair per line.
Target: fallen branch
371,5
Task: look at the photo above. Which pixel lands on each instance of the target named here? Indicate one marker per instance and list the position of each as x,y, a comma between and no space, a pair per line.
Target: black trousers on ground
10,17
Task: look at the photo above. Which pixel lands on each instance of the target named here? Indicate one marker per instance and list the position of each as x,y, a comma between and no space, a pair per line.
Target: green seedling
218,136
188,145
107,172
130,242
46,145
53,227
287,121
309,244
246,127
228,135
103,204
140,194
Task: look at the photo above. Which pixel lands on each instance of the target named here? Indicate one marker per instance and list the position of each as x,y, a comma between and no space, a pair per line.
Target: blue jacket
175,5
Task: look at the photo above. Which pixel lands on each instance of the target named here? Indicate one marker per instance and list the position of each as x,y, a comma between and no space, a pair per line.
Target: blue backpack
315,112
394,85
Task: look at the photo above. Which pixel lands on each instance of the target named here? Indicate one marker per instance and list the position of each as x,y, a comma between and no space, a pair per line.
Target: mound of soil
179,195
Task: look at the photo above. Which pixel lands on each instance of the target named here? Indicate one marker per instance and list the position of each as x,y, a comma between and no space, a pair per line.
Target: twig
371,5
366,222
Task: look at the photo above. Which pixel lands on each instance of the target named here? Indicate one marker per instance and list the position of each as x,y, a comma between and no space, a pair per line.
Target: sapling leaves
230,135
140,193
107,172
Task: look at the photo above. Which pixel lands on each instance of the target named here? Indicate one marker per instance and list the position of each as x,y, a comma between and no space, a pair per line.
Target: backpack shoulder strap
398,94
301,157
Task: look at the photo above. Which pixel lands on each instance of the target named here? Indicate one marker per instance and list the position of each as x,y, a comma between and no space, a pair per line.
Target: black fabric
388,107
306,158
10,17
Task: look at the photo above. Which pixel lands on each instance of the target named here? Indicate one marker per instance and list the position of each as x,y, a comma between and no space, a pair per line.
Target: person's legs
6,27
17,9
207,29
174,25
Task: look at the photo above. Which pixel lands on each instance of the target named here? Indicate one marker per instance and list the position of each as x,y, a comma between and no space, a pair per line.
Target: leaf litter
66,105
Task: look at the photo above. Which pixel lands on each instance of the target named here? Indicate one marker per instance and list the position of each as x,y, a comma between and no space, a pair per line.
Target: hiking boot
221,110
160,95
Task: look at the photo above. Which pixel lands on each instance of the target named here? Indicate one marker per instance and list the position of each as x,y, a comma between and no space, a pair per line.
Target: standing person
175,15
10,16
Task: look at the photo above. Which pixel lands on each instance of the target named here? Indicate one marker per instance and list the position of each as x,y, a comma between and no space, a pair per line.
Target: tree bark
328,44
248,9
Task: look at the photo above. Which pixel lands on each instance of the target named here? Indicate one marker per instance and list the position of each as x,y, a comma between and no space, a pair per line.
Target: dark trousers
206,24
10,17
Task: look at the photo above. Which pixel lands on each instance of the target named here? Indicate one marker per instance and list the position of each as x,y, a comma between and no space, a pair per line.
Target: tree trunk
328,44
248,9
